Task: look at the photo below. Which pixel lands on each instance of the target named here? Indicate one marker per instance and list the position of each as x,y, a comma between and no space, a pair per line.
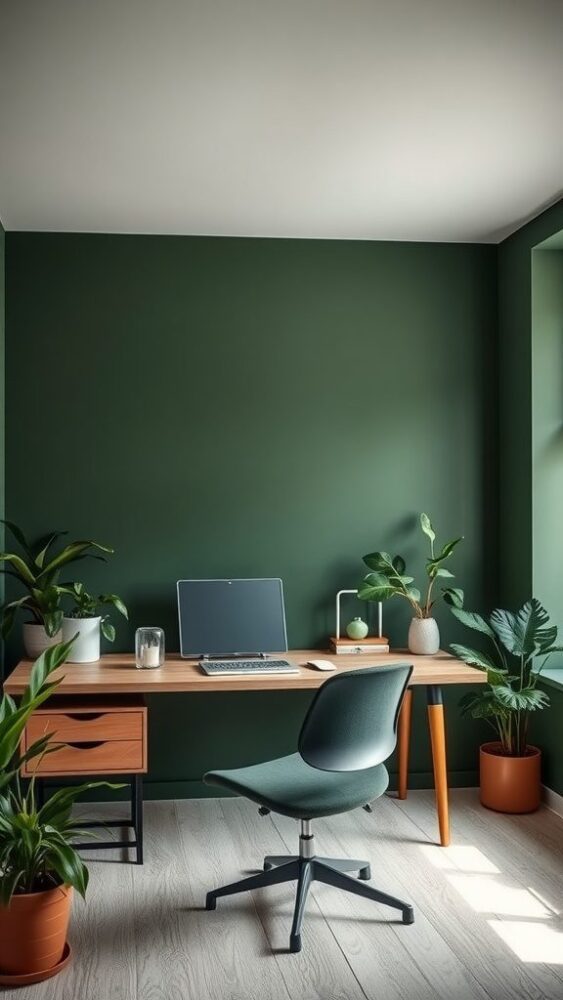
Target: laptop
233,626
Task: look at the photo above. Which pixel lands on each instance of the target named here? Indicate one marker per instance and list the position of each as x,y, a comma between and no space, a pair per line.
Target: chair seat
292,787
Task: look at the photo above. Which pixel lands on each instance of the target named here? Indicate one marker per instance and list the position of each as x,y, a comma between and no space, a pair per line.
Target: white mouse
321,664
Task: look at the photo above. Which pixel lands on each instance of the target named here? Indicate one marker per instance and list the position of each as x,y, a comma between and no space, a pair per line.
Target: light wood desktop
116,674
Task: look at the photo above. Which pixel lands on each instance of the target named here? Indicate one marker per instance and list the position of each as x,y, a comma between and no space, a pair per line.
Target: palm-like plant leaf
526,632
528,699
474,621
475,658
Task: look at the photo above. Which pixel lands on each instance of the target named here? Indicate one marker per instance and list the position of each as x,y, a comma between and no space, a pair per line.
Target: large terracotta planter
33,931
510,784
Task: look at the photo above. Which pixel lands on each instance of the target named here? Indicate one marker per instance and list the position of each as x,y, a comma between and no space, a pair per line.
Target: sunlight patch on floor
489,895
464,857
531,942
530,933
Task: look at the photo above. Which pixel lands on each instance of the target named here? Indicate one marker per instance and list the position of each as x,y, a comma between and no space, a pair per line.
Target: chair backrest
352,721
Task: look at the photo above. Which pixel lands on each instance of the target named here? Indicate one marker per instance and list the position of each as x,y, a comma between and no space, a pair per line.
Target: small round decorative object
357,629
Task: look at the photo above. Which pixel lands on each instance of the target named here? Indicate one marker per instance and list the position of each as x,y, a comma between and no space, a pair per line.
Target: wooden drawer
115,756
103,736
85,727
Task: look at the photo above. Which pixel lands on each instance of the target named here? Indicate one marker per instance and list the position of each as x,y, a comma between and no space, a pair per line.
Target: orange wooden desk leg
403,746
438,741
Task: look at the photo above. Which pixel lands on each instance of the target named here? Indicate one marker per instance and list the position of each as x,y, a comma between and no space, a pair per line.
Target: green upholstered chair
348,732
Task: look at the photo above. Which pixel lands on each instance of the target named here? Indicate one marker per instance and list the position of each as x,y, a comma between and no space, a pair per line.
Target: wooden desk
116,673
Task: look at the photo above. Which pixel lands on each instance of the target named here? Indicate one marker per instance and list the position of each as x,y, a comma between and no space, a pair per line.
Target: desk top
115,673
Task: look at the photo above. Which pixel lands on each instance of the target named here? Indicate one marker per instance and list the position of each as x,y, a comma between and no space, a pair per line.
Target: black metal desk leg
137,813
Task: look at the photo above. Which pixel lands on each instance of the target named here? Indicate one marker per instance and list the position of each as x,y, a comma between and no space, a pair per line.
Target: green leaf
8,884
18,534
40,557
526,632
375,587
453,596
58,806
22,569
53,622
427,528
108,630
9,614
446,552
413,593
380,561
69,866
528,700
475,658
399,565
116,601
71,553
472,620
440,571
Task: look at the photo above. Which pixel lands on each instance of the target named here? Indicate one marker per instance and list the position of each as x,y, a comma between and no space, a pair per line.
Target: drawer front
85,727
116,756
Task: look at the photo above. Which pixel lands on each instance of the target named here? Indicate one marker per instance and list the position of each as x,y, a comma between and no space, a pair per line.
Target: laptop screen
224,617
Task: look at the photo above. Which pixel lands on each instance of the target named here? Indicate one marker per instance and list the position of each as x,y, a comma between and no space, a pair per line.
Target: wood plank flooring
488,910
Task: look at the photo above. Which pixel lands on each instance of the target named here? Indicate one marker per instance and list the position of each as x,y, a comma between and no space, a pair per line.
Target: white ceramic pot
424,636
86,646
36,640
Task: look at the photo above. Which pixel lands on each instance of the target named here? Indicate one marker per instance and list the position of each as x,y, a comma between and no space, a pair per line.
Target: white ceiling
389,119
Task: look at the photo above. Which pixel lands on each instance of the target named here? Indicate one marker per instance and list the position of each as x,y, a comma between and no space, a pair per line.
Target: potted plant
387,579
39,867
85,622
510,769
37,569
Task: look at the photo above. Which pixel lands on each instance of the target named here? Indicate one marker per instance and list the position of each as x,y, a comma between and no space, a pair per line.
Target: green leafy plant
87,606
36,849
37,569
511,692
388,576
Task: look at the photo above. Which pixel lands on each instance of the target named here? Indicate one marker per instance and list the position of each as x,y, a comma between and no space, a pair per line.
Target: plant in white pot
37,569
84,622
387,578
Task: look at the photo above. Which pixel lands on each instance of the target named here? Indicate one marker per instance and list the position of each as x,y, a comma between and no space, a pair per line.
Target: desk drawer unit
97,739
101,736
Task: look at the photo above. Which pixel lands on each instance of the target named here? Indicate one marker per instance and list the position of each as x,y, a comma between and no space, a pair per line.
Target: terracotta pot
510,784
33,930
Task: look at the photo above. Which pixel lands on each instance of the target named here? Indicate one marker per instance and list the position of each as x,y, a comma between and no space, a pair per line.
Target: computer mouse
321,664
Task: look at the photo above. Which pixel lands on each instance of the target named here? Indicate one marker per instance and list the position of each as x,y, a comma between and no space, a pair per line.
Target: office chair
349,730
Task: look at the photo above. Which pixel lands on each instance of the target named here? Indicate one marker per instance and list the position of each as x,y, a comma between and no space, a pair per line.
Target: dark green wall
2,407
256,407
519,425
515,402
547,432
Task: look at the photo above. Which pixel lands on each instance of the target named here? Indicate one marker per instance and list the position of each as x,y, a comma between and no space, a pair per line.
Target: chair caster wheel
408,915
295,943
365,873
210,902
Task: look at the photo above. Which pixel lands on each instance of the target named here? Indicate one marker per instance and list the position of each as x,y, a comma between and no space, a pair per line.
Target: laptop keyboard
248,667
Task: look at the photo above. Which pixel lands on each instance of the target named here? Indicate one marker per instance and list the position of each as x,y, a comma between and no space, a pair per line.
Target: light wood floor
488,910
